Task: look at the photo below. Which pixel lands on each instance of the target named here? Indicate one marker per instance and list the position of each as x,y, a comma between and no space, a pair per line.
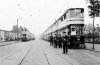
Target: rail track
67,61
46,57
13,52
63,58
20,63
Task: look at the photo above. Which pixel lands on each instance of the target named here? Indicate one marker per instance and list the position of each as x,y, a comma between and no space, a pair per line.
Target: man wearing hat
65,43
59,41
51,40
55,41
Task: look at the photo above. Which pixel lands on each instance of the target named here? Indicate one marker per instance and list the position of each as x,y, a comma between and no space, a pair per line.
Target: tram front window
73,29
79,13
76,13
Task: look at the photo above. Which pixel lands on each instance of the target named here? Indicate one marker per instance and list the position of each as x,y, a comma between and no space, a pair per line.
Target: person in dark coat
55,41
82,41
65,43
59,41
51,40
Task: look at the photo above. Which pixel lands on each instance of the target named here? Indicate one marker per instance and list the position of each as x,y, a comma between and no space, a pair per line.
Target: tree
94,11
94,8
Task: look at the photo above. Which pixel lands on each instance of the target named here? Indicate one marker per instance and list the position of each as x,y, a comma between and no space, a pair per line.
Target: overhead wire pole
17,29
93,32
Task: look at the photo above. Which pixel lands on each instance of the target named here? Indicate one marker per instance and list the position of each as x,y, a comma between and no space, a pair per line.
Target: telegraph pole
17,29
93,32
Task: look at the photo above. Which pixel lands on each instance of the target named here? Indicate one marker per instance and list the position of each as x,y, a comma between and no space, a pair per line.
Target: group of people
60,41
66,41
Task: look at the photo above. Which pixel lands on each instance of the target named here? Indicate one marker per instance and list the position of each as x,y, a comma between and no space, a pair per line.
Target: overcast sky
36,15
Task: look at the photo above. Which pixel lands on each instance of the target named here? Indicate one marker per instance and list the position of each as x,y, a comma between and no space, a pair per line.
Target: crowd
64,41
58,41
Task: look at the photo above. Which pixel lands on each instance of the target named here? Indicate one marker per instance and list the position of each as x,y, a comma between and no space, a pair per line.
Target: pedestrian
82,41
55,41
60,41
65,43
51,40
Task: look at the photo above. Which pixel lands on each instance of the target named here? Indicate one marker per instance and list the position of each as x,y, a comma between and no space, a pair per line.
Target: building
2,35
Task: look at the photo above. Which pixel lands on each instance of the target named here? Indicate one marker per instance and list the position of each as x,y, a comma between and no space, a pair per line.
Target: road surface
40,52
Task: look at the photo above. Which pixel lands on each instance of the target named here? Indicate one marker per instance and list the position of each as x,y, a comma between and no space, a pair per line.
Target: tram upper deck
70,17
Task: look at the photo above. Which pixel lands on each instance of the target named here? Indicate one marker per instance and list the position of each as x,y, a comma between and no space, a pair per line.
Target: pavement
89,46
7,43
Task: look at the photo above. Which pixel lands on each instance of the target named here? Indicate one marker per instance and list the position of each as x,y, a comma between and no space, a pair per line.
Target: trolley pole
93,32
17,29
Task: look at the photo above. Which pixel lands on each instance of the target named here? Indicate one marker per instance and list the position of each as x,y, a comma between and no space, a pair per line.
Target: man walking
51,40
60,41
82,41
65,43
55,41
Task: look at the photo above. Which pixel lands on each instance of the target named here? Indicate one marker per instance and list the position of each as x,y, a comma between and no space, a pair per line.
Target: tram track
91,56
20,63
9,55
86,53
63,57
46,57
67,61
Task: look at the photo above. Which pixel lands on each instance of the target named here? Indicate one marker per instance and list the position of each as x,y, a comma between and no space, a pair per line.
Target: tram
26,35
72,22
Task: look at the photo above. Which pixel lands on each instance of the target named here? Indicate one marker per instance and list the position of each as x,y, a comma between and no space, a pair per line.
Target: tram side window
61,19
68,14
82,12
72,13
78,13
65,16
58,22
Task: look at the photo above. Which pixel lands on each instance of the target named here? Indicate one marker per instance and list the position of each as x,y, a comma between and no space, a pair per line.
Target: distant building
12,35
2,35
17,30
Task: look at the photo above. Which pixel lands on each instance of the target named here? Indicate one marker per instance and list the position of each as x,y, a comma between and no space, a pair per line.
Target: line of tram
72,22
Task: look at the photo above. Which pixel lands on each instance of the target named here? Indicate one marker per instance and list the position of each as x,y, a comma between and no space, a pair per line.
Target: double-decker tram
72,22
26,35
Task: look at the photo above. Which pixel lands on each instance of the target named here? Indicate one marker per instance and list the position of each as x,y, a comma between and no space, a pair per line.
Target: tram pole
17,29
93,32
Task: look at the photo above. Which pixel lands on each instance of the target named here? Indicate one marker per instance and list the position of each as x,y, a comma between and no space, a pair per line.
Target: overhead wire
29,9
19,5
20,2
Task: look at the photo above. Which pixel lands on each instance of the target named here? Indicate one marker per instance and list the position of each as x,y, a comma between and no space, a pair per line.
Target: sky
37,15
